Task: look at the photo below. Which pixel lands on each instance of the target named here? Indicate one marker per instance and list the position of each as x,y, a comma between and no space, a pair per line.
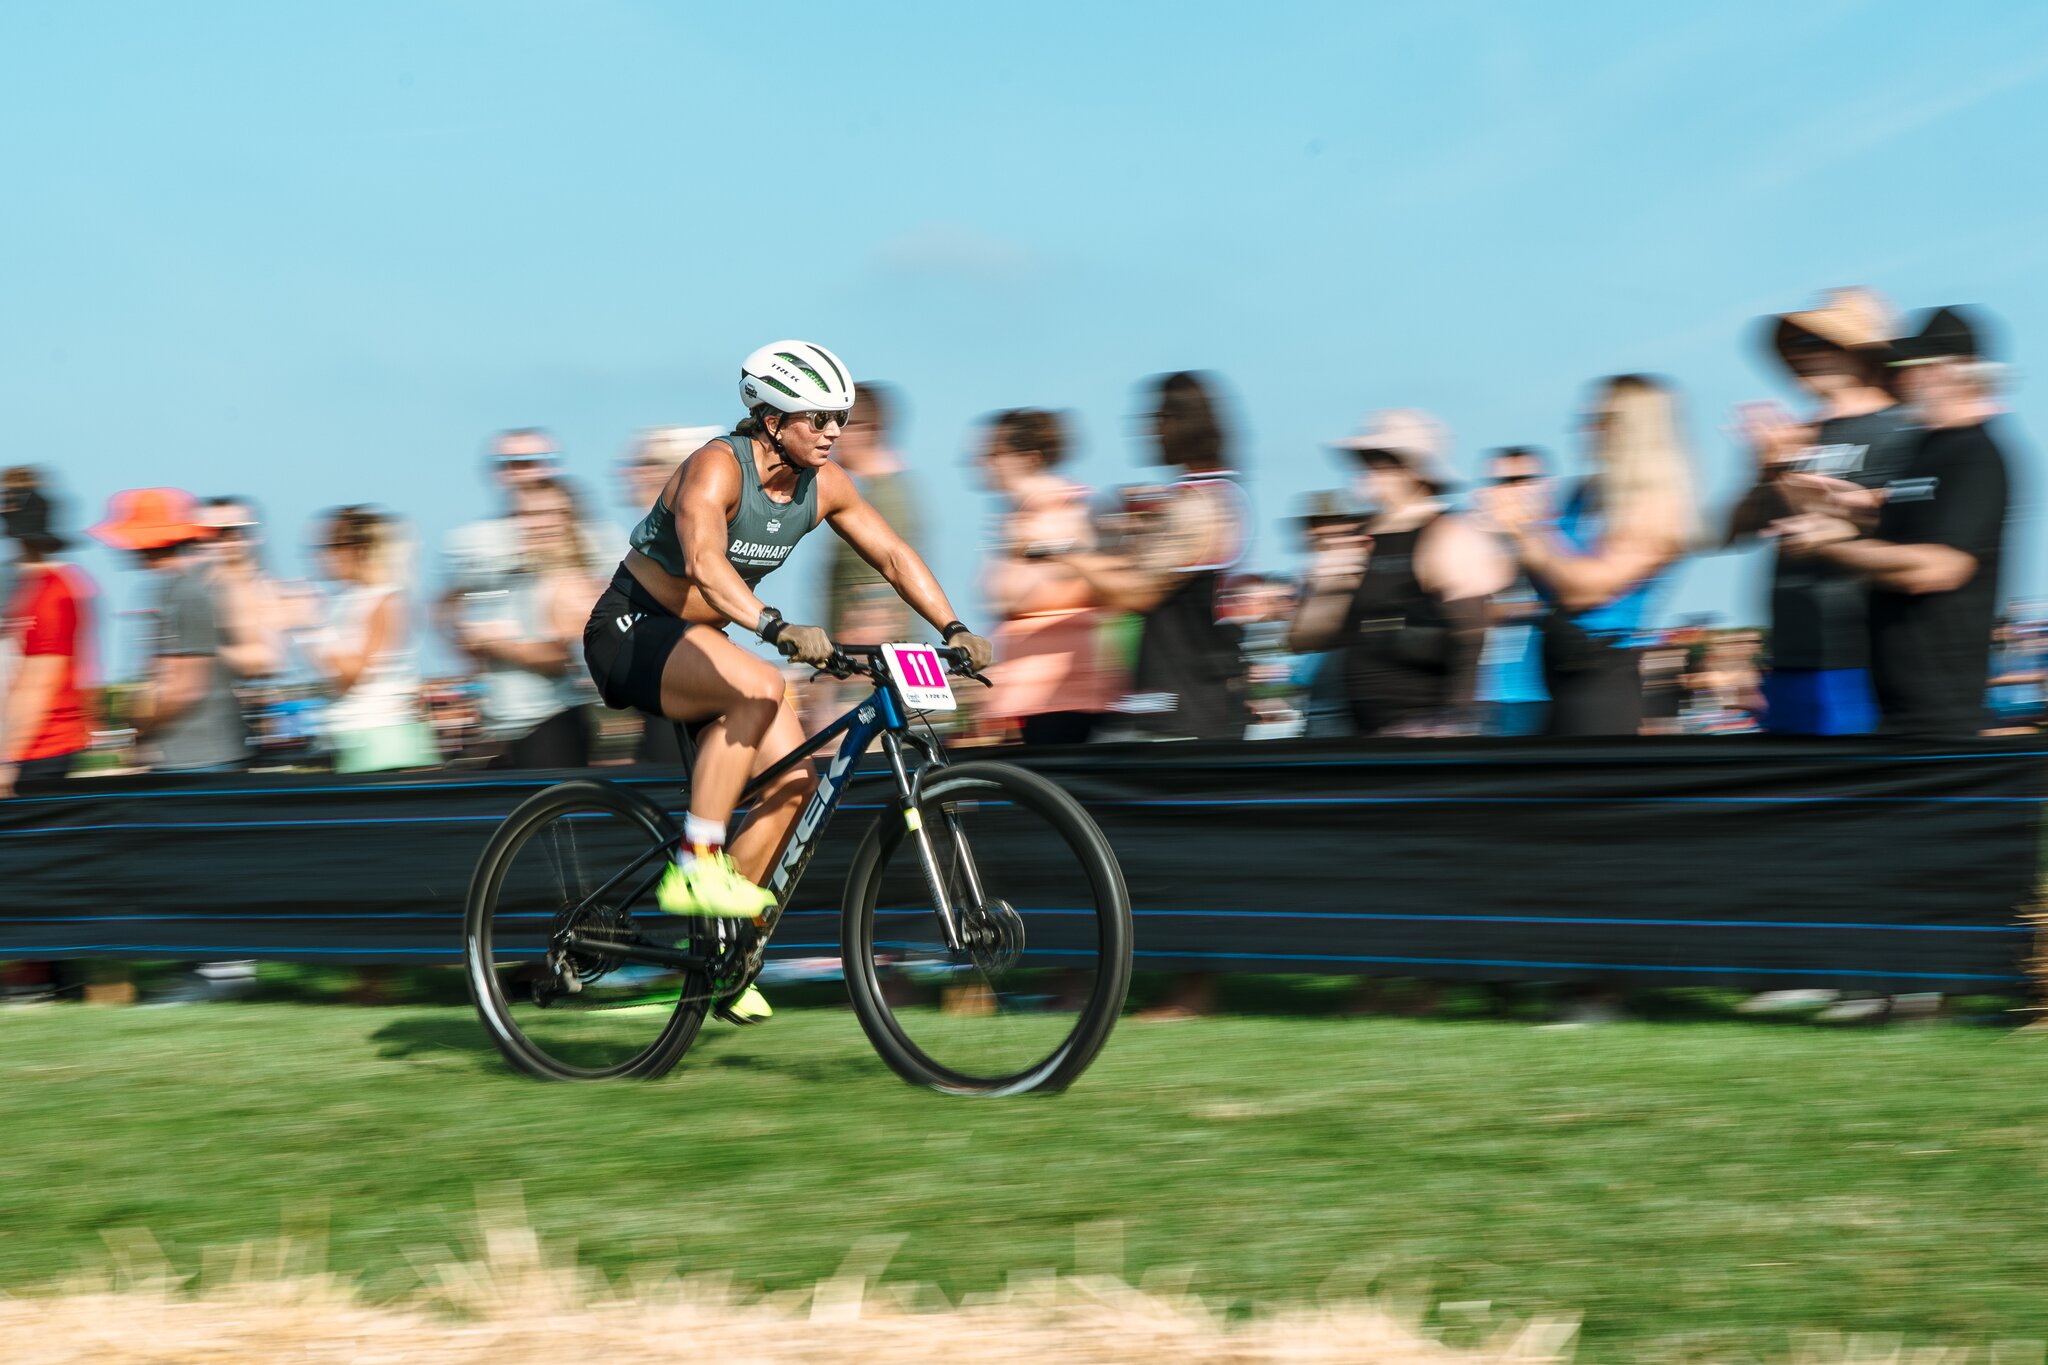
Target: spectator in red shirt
49,617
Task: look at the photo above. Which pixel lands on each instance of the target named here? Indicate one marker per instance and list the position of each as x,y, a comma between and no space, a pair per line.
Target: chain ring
735,950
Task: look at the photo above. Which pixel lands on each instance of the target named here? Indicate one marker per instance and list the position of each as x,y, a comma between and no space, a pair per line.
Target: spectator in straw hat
1411,616
187,710
1859,433
46,723
1930,549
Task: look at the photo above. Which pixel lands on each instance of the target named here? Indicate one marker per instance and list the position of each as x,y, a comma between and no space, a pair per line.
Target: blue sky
317,254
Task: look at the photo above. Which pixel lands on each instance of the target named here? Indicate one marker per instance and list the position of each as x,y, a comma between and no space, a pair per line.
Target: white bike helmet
795,376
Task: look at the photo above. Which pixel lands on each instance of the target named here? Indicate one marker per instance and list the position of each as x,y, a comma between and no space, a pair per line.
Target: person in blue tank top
1605,560
655,641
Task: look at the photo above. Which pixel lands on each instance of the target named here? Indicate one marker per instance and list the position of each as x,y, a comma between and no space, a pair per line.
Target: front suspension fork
935,883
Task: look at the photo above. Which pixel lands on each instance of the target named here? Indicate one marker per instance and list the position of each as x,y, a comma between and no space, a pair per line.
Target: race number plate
920,676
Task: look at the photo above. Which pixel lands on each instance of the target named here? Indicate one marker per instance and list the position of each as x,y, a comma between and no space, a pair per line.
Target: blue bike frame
881,714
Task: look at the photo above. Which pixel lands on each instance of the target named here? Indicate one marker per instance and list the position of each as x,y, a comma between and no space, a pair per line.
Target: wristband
952,628
769,627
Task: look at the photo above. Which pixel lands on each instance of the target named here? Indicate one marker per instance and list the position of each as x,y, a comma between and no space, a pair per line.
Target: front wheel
1030,998
581,858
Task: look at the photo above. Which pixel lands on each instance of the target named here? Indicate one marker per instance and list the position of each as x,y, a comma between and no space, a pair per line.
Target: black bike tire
1061,1067
486,990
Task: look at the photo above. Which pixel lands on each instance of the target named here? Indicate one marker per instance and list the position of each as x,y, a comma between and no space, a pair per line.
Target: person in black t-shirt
1819,680
1931,552
1410,617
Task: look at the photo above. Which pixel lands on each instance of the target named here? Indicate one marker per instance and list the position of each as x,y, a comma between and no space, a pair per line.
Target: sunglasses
1508,480
821,420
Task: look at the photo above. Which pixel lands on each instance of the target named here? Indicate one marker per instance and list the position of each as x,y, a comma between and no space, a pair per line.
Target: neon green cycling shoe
711,887
748,1007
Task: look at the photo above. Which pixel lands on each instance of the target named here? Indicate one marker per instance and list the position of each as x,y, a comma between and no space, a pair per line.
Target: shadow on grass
425,1037
417,1037
811,1070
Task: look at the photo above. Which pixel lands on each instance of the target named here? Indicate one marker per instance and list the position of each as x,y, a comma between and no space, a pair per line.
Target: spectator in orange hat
186,712
46,724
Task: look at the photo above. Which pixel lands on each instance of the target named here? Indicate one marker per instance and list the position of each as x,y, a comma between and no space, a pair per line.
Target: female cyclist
726,518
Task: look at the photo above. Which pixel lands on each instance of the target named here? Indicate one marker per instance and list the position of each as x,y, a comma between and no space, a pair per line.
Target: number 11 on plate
920,676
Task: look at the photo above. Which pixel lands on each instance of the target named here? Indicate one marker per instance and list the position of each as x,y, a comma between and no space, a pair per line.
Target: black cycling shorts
626,644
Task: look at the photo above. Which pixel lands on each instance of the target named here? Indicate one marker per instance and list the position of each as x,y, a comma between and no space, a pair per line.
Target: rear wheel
1031,997
582,857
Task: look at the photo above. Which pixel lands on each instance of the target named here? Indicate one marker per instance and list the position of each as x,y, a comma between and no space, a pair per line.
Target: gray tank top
758,537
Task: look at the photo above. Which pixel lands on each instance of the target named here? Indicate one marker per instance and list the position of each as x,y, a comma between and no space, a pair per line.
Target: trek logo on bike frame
822,801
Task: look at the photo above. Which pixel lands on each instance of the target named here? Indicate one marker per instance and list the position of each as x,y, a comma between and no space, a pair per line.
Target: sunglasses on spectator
240,530
1499,480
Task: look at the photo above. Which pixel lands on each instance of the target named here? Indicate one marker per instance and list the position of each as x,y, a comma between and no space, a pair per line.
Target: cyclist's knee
760,684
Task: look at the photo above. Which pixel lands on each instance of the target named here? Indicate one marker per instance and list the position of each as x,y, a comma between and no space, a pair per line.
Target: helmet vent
809,373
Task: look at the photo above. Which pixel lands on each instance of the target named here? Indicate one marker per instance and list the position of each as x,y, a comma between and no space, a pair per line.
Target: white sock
700,834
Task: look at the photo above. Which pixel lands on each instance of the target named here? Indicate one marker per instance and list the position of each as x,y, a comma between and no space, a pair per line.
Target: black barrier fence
1738,862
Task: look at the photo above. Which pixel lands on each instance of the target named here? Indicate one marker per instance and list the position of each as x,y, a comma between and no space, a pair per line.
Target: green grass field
1691,1189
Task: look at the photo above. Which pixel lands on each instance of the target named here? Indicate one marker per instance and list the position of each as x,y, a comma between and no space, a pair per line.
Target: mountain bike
984,932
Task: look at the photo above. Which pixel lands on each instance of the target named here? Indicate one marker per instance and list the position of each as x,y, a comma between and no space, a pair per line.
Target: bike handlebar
867,660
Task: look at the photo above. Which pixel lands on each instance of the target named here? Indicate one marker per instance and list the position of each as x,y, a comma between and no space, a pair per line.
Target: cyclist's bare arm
706,493
876,541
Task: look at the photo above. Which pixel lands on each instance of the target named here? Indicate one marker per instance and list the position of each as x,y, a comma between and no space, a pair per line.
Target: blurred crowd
1526,603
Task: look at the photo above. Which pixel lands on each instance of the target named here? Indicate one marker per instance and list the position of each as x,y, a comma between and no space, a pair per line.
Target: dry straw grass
511,1301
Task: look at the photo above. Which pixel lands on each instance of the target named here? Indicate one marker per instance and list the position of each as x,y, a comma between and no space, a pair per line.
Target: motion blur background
317,256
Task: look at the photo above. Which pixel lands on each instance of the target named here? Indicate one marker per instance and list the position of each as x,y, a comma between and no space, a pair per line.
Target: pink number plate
920,676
